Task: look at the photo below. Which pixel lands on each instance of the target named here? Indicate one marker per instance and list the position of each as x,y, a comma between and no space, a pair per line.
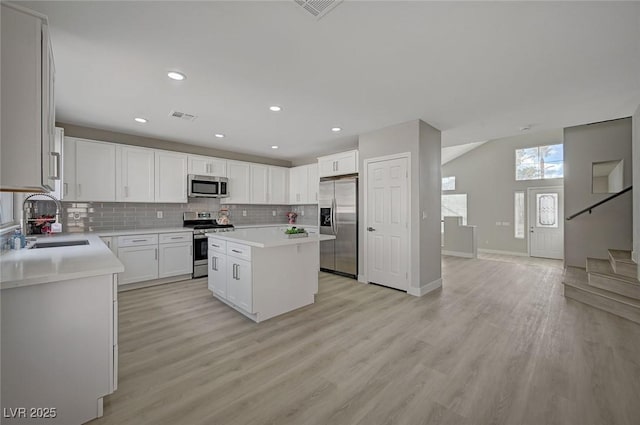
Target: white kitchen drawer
239,251
218,245
137,240
176,237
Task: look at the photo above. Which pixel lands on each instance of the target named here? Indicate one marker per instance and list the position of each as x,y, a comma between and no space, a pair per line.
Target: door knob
371,229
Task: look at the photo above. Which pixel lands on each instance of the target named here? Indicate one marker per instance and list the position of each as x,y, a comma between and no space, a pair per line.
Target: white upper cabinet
278,185
29,161
95,171
338,164
170,177
298,179
135,175
259,183
207,166
313,184
303,184
239,175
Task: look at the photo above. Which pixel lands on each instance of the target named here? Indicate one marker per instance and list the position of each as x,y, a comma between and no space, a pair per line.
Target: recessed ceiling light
274,147
336,129
175,75
140,120
275,108
219,135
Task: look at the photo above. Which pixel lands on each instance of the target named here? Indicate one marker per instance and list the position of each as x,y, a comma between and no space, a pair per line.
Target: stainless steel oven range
202,223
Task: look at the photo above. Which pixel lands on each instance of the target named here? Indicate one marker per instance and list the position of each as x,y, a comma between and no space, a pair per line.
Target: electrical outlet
159,214
244,213
498,223
273,213
302,213
506,223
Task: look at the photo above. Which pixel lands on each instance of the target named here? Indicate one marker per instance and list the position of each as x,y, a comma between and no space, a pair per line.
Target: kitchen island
59,329
262,273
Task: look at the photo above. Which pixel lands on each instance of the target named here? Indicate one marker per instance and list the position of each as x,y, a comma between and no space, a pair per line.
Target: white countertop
253,226
143,231
266,237
35,266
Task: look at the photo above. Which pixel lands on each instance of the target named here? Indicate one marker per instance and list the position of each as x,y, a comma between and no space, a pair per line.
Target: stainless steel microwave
207,186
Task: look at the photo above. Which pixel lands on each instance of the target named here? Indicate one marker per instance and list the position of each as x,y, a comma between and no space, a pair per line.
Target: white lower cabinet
175,259
239,283
230,273
218,274
153,256
140,263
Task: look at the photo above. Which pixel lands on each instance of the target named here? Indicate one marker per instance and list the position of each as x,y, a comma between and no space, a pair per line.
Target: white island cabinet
59,330
261,273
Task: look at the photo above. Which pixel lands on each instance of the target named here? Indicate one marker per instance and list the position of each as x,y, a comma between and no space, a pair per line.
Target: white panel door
546,223
134,174
175,259
217,279
386,224
199,165
140,263
326,166
239,174
239,283
69,169
171,177
278,185
313,184
259,183
95,171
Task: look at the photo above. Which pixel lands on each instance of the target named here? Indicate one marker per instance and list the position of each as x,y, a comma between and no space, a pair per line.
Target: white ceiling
476,71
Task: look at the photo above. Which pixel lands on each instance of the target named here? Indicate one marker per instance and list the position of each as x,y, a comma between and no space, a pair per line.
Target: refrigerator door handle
334,225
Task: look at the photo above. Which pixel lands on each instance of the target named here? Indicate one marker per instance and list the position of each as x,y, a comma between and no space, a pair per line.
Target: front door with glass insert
546,223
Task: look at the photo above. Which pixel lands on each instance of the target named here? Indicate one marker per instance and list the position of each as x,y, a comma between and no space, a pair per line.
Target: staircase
610,285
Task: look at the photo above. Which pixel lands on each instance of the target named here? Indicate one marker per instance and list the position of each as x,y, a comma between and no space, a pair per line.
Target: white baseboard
495,251
425,289
362,278
458,254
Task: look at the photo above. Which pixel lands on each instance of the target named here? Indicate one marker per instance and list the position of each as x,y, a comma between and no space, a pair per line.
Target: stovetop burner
203,222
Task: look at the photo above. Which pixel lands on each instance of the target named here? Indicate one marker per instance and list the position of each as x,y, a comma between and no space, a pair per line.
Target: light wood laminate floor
499,344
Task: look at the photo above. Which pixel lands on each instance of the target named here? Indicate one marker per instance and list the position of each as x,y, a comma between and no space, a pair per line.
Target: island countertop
266,237
44,265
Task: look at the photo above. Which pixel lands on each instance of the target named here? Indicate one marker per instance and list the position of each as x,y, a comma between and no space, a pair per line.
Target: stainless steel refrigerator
338,209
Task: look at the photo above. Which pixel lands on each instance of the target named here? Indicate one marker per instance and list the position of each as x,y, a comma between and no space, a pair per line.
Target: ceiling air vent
318,8
182,115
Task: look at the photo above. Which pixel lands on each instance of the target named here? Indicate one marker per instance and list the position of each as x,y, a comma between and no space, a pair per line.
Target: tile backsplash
113,216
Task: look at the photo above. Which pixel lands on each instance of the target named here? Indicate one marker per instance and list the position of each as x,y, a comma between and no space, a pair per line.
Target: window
518,221
540,162
454,206
449,183
6,208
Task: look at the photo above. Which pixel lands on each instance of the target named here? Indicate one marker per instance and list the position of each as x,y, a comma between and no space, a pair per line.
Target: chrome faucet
26,219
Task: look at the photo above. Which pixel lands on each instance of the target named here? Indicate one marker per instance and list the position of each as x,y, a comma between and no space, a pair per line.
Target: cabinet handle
236,251
79,189
56,176
191,250
215,246
237,271
126,191
139,240
65,189
156,253
176,237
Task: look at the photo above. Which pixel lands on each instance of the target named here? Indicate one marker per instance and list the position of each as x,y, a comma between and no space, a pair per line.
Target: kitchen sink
59,244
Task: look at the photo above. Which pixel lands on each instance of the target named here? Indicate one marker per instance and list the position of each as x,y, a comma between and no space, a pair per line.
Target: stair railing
597,204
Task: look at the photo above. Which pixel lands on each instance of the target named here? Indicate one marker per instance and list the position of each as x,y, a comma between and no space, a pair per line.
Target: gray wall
487,175
636,185
148,142
423,142
610,225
